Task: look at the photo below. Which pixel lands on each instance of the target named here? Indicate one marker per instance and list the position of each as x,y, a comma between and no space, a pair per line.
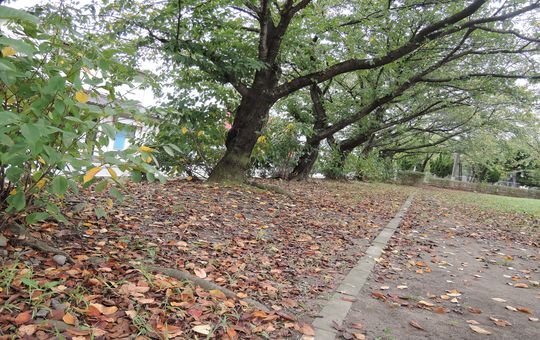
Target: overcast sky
146,97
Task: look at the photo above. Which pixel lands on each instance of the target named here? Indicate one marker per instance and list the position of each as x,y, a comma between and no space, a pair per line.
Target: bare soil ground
453,271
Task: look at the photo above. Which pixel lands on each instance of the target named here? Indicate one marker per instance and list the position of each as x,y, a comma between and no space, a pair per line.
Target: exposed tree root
269,187
208,285
30,241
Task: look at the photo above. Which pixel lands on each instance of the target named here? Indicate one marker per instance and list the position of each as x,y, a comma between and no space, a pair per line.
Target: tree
257,49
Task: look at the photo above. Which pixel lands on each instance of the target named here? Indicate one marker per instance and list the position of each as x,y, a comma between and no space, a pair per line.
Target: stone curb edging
337,308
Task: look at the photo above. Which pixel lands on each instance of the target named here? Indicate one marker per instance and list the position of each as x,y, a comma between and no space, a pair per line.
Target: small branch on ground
269,187
30,241
208,285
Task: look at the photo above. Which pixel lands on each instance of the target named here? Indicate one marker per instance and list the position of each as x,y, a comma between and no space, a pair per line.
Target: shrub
442,165
52,131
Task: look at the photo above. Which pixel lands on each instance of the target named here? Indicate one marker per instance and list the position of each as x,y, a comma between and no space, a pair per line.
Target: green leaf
17,201
5,140
168,150
116,194
7,117
18,45
59,185
54,85
100,212
37,216
13,173
136,176
31,133
17,14
101,186
6,65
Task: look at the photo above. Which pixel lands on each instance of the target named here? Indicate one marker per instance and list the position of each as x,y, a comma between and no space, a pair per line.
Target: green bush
442,165
372,167
52,133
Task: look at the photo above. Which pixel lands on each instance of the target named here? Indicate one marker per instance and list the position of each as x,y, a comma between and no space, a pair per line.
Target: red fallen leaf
524,310
357,325
23,317
416,325
231,332
378,295
474,310
307,330
196,313
57,314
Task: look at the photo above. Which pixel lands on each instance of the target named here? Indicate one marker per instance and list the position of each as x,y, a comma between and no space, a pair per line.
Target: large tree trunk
305,163
251,116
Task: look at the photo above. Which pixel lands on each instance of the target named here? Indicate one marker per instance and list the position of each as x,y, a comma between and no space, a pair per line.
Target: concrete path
334,313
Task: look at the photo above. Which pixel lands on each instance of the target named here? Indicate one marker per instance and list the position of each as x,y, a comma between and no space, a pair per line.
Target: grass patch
500,203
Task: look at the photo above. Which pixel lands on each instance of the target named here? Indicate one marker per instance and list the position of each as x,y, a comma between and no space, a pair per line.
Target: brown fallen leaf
498,299
27,330
306,329
416,325
425,303
474,310
524,310
103,309
473,322
513,309
479,330
200,273
202,329
500,322
440,310
521,285
23,317
359,336
288,303
69,319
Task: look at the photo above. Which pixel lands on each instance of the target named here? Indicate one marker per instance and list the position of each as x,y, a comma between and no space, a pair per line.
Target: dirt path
448,277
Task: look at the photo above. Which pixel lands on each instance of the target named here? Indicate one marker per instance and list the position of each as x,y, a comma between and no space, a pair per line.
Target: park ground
460,265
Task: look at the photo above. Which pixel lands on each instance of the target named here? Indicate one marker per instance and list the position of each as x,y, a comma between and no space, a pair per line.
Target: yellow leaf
41,160
112,172
110,203
41,183
189,178
218,294
147,159
200,133
81,97
184,130
91,174
8,51
261,139
13,192
146,149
